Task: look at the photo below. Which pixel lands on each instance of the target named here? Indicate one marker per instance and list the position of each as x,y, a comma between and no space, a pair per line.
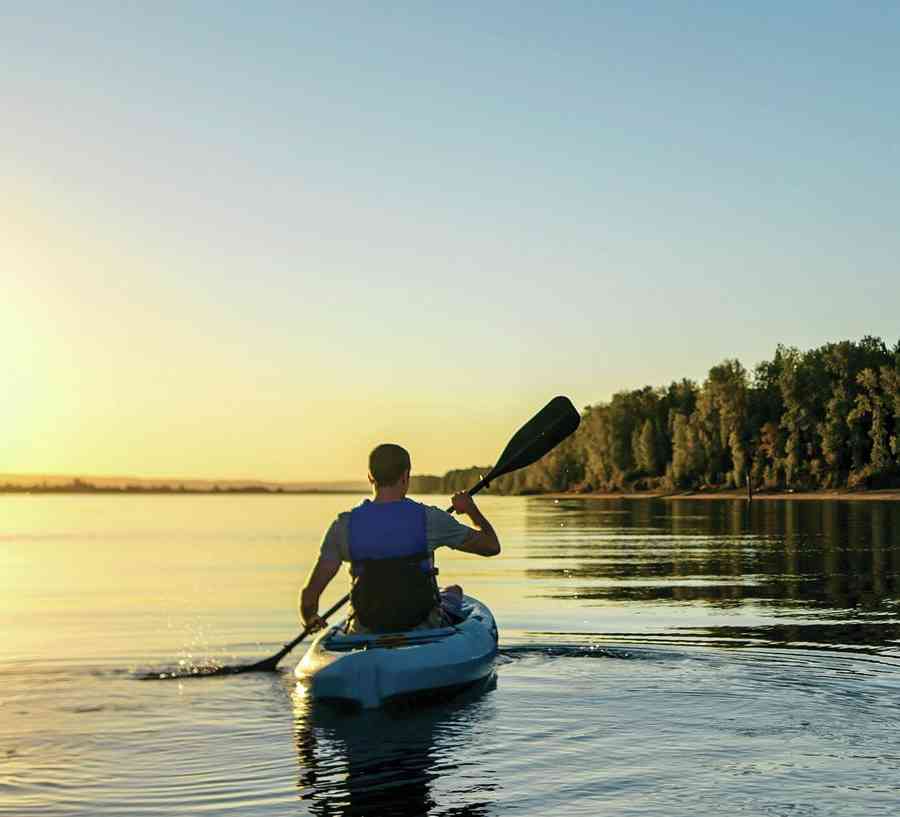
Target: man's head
388,465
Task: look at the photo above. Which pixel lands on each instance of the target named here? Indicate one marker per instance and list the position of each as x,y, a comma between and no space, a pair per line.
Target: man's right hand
463,503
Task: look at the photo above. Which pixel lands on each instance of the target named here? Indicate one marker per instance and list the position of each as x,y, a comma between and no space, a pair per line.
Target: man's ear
371,479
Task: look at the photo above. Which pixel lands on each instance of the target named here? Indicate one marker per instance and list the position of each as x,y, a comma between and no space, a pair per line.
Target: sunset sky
254,243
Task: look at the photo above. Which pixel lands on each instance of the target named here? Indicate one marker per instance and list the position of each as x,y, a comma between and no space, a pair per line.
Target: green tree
645,446
804,385
873,408
688,460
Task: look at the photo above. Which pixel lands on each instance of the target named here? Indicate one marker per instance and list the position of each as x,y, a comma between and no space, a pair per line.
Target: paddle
540,435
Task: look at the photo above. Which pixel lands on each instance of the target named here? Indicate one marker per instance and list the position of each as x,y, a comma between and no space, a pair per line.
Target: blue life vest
393,576
387,530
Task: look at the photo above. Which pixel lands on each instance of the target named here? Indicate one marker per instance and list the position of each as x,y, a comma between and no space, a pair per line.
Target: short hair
387,462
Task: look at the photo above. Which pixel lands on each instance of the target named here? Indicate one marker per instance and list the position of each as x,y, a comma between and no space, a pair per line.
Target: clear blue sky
253,241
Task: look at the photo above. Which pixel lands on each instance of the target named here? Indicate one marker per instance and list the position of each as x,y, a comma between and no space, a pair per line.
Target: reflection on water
832,567
392,762
615,695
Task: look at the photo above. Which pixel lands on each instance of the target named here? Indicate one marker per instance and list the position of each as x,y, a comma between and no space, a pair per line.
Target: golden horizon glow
110,376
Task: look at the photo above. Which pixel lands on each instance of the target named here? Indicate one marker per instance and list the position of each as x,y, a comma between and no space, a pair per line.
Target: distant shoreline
121,485
887,494
69,491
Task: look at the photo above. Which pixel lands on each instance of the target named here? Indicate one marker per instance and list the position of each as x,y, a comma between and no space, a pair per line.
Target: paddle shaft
290,645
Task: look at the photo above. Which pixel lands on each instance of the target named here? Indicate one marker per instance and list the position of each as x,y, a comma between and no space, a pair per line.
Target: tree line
824,418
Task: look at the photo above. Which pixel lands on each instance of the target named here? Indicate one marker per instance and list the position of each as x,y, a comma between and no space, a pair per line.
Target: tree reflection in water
817,572
415,761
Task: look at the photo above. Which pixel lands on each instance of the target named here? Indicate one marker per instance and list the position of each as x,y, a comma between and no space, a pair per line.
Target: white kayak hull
373,670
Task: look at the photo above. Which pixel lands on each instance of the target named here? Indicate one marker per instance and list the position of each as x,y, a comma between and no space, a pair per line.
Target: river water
672,658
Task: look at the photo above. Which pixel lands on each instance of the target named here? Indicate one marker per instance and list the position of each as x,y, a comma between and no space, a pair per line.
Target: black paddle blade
267,665
540,435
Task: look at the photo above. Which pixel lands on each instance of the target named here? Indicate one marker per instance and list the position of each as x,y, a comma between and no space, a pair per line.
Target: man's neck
390,493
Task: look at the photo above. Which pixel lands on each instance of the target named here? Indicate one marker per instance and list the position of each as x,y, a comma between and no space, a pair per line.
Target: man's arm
485,541
324,571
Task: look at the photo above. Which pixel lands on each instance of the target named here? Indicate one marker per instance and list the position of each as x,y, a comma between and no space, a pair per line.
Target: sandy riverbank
889,494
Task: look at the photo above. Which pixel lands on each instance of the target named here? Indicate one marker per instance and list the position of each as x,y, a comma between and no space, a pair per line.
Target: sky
254,240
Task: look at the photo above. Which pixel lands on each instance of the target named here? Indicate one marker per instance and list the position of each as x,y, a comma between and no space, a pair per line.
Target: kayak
378,669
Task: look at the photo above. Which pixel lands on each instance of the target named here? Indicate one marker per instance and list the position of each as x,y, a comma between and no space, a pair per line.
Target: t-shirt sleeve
335,546
443,530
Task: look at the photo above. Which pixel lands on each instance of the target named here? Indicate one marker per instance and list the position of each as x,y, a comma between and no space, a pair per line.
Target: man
389,541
